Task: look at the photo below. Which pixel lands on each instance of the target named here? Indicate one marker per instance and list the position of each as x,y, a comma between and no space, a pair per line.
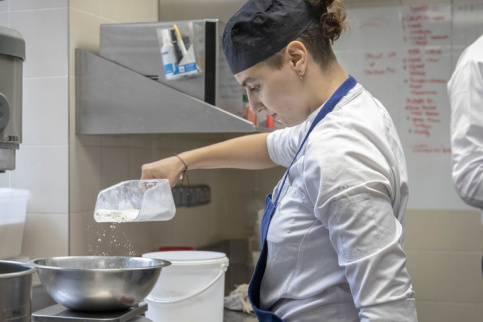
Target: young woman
332,233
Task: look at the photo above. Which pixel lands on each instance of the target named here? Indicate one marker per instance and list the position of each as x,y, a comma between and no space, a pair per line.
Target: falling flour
110,215
108,241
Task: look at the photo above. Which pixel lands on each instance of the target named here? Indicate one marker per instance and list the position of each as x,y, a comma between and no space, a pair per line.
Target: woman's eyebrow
247,80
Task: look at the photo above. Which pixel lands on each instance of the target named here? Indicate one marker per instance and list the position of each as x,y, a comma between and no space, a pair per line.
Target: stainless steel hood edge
112,99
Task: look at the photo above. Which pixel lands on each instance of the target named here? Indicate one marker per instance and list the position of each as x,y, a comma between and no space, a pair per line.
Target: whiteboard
404,56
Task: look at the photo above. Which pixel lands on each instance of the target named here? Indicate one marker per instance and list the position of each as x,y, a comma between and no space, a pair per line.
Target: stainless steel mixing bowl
99,283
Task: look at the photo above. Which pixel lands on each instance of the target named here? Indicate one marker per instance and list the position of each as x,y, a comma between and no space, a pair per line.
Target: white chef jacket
465,90
335,241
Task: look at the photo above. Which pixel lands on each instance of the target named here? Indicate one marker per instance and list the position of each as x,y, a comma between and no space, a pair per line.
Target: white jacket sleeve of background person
465,90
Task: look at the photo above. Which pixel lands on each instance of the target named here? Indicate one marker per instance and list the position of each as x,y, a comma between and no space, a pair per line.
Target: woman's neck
323,83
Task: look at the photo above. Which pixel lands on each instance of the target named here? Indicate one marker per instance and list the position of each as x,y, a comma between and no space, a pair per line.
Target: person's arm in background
246,152
465,91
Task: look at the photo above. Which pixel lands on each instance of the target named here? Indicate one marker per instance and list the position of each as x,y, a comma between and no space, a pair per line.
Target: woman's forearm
246,152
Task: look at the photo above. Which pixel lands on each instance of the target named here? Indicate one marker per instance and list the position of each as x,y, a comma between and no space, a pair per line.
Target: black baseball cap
261,28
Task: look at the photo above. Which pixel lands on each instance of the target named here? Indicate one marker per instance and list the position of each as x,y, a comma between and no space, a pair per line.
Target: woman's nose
256,108
255,105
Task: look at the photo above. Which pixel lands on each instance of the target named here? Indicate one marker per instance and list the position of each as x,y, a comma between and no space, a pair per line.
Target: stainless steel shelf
112,99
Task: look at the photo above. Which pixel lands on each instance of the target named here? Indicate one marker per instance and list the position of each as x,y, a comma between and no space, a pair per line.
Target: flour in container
112,215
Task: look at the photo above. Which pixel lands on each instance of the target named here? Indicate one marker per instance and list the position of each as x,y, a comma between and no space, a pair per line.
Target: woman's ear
296,53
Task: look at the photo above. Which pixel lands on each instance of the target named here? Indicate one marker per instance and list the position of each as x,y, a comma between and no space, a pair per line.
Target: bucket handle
181,299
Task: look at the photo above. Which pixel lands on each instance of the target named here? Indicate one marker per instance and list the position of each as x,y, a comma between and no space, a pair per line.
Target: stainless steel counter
40,300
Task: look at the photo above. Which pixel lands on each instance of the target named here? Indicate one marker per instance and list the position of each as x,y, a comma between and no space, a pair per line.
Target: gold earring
300,73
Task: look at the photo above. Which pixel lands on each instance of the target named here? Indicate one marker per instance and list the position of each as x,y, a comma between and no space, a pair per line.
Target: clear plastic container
134,201
13,210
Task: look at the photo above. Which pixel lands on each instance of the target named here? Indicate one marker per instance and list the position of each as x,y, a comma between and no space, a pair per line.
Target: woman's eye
255,88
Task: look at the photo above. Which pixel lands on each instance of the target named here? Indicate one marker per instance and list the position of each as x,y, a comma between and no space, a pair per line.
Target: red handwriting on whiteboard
424,31
440,37
424,148
433,51
417,86
424,92
370,56
438,18
378,63
419,9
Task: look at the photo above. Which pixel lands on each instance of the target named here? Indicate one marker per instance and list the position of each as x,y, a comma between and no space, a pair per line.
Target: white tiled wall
35,4
42,160
3,5
46,45
42,92
43,170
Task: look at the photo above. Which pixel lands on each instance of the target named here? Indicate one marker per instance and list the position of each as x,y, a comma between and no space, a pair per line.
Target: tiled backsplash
45,46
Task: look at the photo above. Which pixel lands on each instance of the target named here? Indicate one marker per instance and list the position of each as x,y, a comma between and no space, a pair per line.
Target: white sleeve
367,237
465,91
350,187
283,144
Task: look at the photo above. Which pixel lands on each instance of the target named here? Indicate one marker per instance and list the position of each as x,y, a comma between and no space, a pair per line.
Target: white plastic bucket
191,289
13,210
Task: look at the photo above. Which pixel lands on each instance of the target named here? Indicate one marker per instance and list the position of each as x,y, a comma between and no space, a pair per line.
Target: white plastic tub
13,210
191,289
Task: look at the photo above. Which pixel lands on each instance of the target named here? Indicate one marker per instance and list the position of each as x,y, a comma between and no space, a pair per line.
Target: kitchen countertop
40,300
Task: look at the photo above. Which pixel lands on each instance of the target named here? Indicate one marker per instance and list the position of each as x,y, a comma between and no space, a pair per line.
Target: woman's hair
321,34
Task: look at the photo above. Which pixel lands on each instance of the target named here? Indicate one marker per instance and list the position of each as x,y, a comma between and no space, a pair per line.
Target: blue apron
255,283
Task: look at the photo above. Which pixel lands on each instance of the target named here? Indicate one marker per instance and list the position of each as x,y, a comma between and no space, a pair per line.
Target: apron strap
348,84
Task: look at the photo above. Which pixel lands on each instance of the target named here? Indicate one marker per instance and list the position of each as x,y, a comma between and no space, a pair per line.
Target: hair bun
332,18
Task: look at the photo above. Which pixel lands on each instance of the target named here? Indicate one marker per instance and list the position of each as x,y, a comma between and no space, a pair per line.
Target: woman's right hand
168,168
